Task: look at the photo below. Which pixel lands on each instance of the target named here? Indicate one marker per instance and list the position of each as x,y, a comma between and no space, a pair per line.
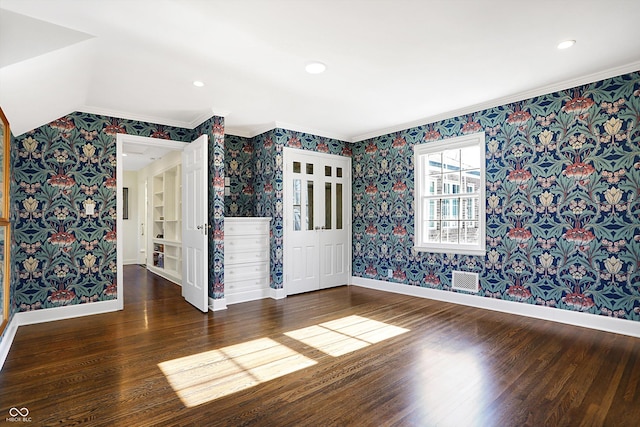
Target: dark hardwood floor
341,357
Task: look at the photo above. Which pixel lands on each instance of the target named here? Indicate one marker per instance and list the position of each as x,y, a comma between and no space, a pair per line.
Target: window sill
451,250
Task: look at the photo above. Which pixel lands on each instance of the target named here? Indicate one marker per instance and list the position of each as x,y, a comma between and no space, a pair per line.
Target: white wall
131,226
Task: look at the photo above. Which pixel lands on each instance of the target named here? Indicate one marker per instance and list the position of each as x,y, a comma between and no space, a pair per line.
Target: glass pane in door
327,205
309,205
297,205
339,206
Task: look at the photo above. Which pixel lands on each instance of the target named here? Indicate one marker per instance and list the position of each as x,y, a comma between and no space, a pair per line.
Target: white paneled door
317,220
195,224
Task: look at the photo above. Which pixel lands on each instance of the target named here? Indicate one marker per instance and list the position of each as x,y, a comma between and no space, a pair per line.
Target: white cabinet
166,224
246,259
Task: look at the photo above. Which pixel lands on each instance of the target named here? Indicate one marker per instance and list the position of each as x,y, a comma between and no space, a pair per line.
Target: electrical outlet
390,273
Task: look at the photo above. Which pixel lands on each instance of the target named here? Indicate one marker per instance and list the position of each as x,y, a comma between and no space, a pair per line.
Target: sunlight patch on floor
210,375
345,335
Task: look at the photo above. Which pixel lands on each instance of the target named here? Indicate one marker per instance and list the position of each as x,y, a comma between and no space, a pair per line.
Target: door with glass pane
317,226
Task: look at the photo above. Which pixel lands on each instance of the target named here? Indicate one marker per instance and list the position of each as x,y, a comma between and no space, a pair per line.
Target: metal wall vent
465,281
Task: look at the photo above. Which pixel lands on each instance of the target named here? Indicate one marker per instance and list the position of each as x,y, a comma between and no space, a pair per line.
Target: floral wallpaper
563,207
63,256
239,165
268,182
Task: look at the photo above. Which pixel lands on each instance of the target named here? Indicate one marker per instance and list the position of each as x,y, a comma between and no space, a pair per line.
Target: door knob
204,227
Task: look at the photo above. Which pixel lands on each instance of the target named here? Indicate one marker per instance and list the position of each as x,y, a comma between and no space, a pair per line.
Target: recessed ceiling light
198,83
124,154
315,67
566,44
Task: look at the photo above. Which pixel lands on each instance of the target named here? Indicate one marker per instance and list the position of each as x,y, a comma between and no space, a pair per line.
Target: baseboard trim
50,315
246,296
67,312
7,340
217,304
586,320
277,293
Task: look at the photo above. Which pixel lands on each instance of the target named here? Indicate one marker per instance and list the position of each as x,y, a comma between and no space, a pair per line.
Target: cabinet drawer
246,243
246,229
238,286
246,271
232,257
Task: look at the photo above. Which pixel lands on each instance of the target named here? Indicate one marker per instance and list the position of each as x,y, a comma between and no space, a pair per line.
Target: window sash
436,182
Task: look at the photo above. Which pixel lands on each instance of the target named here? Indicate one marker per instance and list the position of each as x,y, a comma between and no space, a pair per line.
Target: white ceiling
391,64
137,156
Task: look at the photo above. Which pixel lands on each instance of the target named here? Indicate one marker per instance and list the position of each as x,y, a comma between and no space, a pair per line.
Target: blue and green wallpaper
61,255
563,208
563,202
240,168
267,181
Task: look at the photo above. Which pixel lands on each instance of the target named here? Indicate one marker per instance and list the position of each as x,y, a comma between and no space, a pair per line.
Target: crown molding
543,90
197,121
311,131
258,130
251,131
204,116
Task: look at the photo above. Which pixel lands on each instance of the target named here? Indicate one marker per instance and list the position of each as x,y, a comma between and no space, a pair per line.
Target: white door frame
287,155
122,139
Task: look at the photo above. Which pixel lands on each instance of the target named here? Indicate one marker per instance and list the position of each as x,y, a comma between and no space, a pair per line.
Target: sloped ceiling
391,64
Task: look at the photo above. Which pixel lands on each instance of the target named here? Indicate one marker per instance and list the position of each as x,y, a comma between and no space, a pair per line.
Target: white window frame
476,139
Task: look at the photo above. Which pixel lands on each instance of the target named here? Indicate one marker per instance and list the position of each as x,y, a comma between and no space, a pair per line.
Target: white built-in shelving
166,211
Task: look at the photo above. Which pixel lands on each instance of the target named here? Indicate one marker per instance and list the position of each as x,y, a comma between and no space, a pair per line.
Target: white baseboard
50,315
277,293
7,340
586,320
67,312
217,304
230,298
130,261
165,274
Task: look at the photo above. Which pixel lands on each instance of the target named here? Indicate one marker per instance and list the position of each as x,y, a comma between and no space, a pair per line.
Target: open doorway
135,215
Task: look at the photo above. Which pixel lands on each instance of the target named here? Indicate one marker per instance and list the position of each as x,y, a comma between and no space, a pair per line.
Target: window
449,195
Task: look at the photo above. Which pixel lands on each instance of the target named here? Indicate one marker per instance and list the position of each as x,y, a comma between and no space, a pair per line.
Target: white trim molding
585,320
200,117
51,315
277,293
217,304
7,340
